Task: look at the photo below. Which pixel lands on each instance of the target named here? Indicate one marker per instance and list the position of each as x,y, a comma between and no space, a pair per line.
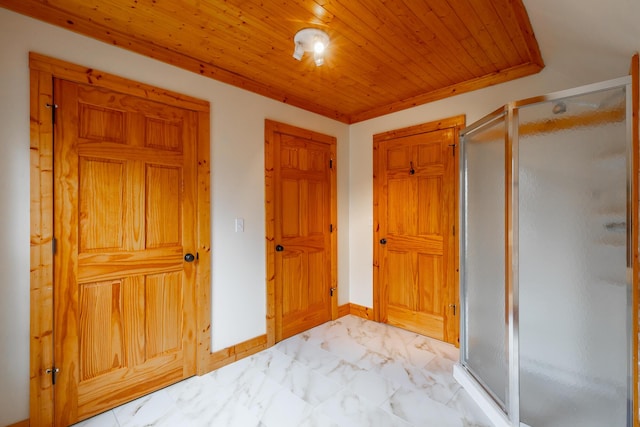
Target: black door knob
279,248
189,257
383,241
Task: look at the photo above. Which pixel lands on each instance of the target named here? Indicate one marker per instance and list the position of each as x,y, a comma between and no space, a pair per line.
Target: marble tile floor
348,372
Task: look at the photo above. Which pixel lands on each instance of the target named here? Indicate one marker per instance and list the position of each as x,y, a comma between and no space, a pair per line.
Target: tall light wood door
124,301
415,190
302,244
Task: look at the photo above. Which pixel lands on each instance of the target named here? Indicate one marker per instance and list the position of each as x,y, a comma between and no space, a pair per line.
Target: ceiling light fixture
311,40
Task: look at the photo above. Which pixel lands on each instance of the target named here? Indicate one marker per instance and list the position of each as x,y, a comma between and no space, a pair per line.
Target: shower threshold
482,399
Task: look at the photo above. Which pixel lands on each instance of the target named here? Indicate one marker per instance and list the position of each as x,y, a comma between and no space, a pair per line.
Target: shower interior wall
572,252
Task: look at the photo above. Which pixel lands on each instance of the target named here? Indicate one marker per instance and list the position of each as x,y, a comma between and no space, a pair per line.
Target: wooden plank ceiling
384,56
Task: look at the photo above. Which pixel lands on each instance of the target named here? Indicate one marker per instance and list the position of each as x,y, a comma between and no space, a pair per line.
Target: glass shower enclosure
546,259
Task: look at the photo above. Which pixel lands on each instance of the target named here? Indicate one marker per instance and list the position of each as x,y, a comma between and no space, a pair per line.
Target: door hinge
54,373
54,245
330,163
53,111
453,149
454,230
330,228
331,291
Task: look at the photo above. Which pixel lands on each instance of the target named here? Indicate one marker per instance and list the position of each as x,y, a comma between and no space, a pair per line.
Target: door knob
383,241
279,248
189,257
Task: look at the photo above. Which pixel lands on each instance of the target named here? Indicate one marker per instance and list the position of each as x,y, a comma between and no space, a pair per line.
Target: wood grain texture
361,311
302,228
635,301
399,53
165,370
145,202
77,73
300,207
41,253
236,352
203,236
356,310
343,310
415,210
452,274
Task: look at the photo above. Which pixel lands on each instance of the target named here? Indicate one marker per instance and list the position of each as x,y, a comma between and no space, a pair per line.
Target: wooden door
415,251
305,294
124,301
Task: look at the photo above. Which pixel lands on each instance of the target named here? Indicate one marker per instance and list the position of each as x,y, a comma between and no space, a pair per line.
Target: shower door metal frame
510,113
488,120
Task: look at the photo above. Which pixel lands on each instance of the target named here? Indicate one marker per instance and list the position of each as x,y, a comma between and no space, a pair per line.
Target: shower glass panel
573,290
483,229
546,259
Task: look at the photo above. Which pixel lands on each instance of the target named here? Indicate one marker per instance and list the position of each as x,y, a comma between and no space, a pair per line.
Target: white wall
237,147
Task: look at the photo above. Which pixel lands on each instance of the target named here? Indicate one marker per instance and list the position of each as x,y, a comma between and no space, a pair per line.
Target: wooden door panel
316,219
304,278
291,217
163,216
429,153
301,154
302,228
132,336
305,297
398,157
102,212
114,314
133,302
429,202
122,342
293,271
163,133
416,214
431,283
125,179
412,320
400,279
307,269
101,123
400,214
164,308
100,329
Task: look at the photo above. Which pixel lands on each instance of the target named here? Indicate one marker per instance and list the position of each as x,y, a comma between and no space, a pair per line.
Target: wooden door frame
455,123
43,70
270,129
635,296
